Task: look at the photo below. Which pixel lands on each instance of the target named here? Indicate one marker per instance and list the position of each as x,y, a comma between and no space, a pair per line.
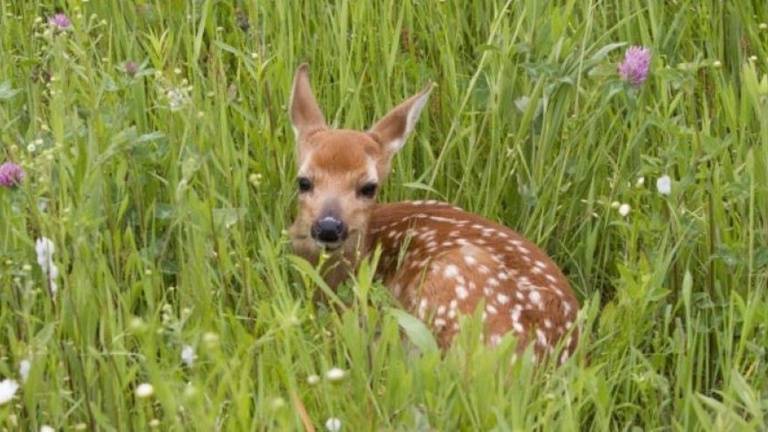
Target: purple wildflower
11,175
131,67
60,21
635,66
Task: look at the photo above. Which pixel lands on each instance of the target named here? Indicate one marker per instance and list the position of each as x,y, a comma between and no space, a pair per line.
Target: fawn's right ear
306,116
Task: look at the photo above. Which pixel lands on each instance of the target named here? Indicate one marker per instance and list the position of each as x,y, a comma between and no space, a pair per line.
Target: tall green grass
159,161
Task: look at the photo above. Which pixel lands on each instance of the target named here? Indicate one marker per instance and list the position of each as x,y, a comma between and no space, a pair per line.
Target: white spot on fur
423,308
517,327
452,307
472,285
495,339
502,298
541,338
461,292
451,271
566,308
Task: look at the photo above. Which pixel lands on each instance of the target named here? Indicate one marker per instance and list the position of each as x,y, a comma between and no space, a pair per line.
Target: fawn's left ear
393,129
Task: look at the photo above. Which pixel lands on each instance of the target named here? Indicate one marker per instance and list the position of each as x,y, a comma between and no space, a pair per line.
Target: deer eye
305,185
368,190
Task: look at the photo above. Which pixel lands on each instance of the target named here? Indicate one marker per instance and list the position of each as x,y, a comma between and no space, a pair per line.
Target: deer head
339,174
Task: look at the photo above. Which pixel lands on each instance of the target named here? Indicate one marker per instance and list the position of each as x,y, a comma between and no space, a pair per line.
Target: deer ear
393,129
306,116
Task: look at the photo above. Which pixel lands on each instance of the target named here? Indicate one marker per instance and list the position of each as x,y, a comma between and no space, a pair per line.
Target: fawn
437,260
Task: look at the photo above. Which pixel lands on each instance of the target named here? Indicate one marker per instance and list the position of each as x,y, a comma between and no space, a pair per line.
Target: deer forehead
337,155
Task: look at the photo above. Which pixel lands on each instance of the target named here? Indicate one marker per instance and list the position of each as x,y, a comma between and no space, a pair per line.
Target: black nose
329,230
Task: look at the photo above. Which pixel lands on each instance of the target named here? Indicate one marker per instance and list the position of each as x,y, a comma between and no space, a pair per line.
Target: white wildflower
333,424
188,355
45,248
335,374
624,209
8,388
664,185
144,390
211,339
24,367
46,428
137,324
178,98
313,380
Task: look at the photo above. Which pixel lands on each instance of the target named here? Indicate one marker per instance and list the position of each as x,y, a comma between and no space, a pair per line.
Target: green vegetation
159,161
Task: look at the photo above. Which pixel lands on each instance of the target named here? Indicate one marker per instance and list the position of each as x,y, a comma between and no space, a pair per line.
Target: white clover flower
137,324
46,428
640,182
144,390
664,185
313,379
24,367
178,98
624,209
211,339
8,388
188,355
333,424
335,374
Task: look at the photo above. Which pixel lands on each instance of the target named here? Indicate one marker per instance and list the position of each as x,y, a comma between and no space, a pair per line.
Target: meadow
159,165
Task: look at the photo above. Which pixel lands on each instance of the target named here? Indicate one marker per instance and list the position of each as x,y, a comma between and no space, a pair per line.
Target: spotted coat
442,263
